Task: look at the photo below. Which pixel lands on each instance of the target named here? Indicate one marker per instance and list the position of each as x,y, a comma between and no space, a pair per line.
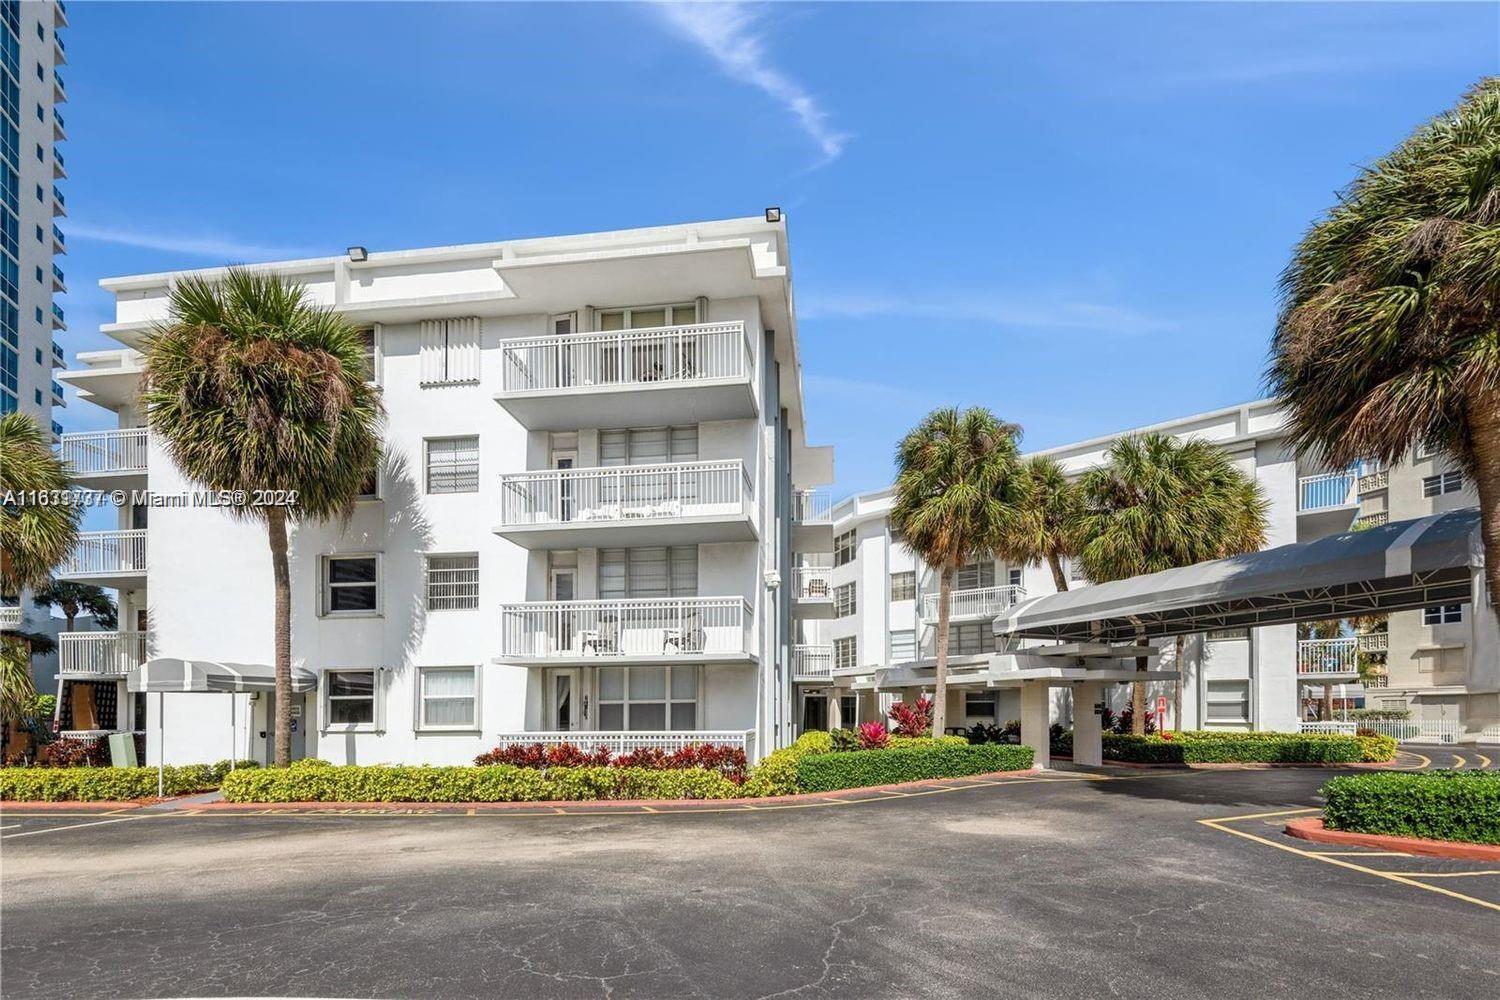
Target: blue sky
1073,214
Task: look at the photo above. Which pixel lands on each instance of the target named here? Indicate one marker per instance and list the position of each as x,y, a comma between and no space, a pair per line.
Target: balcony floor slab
635,405
630,532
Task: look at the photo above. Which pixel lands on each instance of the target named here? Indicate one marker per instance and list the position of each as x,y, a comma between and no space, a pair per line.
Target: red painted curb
1313,829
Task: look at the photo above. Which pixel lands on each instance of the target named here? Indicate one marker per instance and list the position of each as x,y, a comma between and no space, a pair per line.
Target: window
974,576
370,488
903,645
648,699
350,698
351,585
1013,577
846,653
1443,614
450,351
1228,634
843,600
648,446
447,697
1075,571
1227,701
648,317
1423,450
843,548
368,344
980,704
971,639
648,572
453,465
904,586
1443,482
452,582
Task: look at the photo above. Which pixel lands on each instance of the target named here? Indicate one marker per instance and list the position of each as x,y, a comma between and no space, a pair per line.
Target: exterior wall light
773,215
359,254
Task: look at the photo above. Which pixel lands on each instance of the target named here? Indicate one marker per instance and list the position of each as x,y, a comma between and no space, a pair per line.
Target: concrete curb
1244,766
1313,829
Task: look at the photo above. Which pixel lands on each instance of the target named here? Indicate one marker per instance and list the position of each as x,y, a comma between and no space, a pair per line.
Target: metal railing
57,196
1328,656
812,583
92,452
100,654
626,493
697,353
57,273
11,616
57,234
979,602
812,661
812,507
102,552
656,626
58,312
625,742
1331,489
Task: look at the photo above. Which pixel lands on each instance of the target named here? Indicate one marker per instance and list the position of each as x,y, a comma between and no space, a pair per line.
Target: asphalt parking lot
1171,884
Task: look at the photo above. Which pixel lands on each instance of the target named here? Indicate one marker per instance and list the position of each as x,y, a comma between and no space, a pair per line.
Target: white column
1088,742
835,710
1036,716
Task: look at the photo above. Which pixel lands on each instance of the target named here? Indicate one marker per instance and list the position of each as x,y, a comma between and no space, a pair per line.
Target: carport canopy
1394,567
170,675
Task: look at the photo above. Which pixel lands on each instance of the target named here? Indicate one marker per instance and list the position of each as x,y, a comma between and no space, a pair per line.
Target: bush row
825,772
1434,805
319,781
109,784
727,760
1226,747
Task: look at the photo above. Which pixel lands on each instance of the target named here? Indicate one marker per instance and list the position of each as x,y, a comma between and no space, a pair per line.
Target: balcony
812,591
625,742
58,399
1374,642
59,166
812,521
59,284
682,503
812,663
1328,658
641,630
1374,520
973,604
630,378
59,241
105,460
59,203
1326,504
59,127
59,359
59,14
109,378
85,655
11,616
59,89
108,559
59,320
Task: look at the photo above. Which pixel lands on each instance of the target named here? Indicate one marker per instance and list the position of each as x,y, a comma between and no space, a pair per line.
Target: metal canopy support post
161,745
234,733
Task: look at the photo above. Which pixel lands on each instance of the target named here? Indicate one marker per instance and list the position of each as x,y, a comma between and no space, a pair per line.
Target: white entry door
562,461
565,701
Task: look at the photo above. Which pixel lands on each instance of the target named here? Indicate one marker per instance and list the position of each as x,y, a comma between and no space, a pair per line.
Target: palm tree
73,598
1049,530
251,386
1389,333
1160,503
959,496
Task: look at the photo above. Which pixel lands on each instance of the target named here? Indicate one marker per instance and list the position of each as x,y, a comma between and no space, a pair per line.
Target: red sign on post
1161,713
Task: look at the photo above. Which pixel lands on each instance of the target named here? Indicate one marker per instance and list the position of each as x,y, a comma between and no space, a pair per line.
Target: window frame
904,585
843,556
891,645
1209,701
983,695
841,607
455,470
666,307
419,720
1442,483
666,700
1443,614
845,644
1240,634
427,582
326,586
327,697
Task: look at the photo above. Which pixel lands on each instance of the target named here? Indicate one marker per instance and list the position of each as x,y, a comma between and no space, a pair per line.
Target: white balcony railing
99,553
625,742
663,626
1373,642
1328,656
979,602
809,661
812,507
1405,730
812,583
105,451
626,493
1321,492
700,352
100,654
11,616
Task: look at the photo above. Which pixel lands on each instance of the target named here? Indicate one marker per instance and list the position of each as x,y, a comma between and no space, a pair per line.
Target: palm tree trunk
940,679
1138,688
1059,578
1177,689
1484,426
1325,710
282,575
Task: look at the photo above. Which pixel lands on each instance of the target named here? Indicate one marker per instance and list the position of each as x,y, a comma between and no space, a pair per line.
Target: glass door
565,702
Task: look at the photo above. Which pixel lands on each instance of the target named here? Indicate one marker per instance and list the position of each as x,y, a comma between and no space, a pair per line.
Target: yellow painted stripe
1491,871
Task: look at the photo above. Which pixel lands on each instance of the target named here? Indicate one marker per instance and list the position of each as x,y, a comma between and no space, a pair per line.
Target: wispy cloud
1058,312
217,247
730,33
839,388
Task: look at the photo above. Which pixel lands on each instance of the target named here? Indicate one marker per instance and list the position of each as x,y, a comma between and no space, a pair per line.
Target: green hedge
777,773
1376,748
1225,747
319,781
1434,805
825,772
100,784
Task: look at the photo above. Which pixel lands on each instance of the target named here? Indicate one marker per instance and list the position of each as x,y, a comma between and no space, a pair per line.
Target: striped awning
168,674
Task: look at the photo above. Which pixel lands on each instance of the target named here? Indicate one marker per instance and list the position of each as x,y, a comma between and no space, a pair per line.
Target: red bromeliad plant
912,720
873,736
546,755
728,761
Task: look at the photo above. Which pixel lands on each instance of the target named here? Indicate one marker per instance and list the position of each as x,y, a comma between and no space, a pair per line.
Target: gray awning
1405,564
167,674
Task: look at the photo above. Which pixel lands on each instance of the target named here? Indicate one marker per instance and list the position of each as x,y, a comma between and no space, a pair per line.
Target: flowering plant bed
728,761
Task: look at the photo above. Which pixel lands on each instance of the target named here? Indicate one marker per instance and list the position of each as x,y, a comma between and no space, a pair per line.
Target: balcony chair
606,639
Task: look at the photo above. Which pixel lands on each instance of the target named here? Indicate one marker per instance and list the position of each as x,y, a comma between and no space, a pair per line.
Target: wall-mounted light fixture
773,215
359,254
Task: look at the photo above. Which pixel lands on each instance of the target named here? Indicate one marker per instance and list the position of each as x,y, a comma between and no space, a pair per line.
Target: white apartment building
582,531
31,126
876,604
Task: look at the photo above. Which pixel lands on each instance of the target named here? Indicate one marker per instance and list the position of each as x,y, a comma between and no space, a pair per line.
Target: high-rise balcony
59,89
59,321
812,662
58,399
59,14
106,460
59,203
679,503
59,283
634,630
1326,504
1328,658
82,655
812,521
972,604
59,241
812,591
630,378
108,559
59,359
11,616
59,127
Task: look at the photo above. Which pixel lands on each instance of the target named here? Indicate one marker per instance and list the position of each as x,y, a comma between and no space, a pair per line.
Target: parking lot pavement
1070,886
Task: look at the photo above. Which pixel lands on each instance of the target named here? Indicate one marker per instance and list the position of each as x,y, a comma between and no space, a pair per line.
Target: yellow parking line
1484,761
1360,854
1426,761
1217,824
1491,871
1458,762
1282,812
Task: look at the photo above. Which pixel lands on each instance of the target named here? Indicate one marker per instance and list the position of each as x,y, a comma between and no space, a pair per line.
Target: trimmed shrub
1225,747
1380,714
898,742
100,784
825,772
777,773
1375,748
1433,805
322,782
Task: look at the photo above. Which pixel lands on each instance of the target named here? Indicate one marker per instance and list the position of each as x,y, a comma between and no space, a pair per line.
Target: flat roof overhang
635,404
1395,567
692,530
